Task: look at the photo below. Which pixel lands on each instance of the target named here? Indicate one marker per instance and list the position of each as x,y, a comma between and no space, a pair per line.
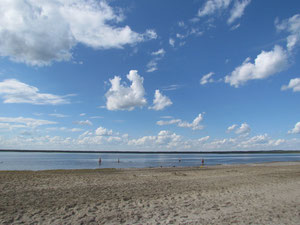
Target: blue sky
169,75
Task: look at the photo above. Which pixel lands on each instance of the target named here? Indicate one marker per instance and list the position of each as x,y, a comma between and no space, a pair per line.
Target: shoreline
266,193
217,166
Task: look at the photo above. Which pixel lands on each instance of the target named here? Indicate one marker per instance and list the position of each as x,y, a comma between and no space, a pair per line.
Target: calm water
49,161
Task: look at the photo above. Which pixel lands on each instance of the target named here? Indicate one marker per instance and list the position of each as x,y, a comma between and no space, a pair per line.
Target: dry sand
237,194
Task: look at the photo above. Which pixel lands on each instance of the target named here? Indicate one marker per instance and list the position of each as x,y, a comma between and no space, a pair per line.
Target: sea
53,161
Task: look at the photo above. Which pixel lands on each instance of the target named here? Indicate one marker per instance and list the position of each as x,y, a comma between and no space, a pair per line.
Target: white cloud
76,130
211,6
260,141
122,97
14,91
203,139
231,128
101,131
28,122
168,122
58,115
160,52
82,114
207,78
181,24
152,66
172,42
296,129
38,32
166,117
9,126
194,125
114,139
266,64
238,10
160,101
214,8
291,25
64,129
83,122
293,84
146,140
96,117
244,129
235,26
163,138
180,36
172,87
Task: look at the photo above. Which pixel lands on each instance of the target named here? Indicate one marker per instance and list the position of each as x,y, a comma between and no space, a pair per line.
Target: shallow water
50,161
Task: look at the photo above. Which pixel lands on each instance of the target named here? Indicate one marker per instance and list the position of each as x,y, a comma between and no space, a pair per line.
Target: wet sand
235,194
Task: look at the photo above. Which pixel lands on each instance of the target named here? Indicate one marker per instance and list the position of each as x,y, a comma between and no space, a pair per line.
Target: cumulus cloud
238,10
207,78
28,122
261,141
160,101
83,122
163,138
266,64
14,91
38,32
231,128
296,129
212,6
293,84
195,125
101,131
291,25
244,129
123,97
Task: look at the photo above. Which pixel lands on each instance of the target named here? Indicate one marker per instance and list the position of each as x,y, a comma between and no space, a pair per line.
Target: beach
266,193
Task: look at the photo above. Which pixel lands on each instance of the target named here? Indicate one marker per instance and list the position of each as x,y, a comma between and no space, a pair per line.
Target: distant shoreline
155,152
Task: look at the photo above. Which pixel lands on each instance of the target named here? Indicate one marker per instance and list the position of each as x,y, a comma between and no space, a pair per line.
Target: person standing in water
202,162
99,161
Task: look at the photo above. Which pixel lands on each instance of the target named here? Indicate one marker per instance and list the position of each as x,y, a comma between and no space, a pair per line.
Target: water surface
50,161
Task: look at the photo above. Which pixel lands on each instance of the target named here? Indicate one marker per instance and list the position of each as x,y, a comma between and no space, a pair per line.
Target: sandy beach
235,194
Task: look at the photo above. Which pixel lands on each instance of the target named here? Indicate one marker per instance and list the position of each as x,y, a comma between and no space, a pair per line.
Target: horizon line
153,152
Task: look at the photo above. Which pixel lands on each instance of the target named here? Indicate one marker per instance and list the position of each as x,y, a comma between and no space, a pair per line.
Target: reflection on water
49,161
